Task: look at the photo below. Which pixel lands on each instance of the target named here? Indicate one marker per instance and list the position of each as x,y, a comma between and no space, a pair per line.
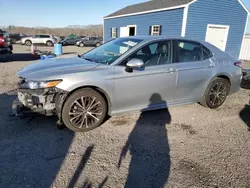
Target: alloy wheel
218,94
85,112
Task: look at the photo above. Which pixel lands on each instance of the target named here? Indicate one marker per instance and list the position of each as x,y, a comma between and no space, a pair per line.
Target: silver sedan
128,74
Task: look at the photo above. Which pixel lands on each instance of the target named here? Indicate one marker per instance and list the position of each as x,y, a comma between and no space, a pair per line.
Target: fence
245,50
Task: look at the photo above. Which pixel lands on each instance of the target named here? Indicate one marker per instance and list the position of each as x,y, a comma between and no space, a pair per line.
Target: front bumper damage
39,101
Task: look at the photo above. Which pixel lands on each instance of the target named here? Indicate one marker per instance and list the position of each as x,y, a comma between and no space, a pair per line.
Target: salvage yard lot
197,147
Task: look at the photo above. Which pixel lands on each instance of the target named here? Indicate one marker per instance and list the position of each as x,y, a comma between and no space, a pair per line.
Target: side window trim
175,51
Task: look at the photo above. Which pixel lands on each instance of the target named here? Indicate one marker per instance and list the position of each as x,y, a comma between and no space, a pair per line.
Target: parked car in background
90,41
62,38
79,40
69,41
5,44
57,39
16,37
129,74
48,40
245,82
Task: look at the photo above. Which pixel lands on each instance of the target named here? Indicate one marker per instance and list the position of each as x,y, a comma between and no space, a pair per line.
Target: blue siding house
223,23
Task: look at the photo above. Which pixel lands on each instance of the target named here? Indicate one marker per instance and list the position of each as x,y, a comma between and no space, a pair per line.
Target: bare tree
92,30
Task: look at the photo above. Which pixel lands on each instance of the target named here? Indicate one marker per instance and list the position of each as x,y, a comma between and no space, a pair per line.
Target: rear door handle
170,70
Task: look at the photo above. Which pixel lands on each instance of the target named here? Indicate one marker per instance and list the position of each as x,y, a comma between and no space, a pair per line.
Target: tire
28,43
49,43
97,44
76,121
81,45
216,93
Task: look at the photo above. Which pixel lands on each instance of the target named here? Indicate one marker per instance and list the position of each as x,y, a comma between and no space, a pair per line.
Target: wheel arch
220,75
28,40
49,41
97,89
225,76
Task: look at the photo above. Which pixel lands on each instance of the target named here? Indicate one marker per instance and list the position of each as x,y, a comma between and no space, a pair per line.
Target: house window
155,30
114,32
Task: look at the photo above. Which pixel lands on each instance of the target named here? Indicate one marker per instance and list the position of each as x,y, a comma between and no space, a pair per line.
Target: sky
61,13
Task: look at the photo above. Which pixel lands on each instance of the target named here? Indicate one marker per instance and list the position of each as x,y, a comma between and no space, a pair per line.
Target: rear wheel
97,44
49,43
216,93
81,44
84,110
28,43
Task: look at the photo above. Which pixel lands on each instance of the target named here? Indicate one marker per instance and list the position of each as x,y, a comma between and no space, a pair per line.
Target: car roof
215,50
161,37
150,37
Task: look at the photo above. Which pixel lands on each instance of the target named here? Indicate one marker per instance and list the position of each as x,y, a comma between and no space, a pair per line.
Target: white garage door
217,35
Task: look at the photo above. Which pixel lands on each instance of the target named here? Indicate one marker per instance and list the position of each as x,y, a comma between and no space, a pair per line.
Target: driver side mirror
133,64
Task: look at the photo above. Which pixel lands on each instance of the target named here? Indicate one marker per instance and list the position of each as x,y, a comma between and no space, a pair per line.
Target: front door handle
170,70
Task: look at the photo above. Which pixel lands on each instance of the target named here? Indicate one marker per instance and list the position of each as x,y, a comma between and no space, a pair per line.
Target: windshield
110,51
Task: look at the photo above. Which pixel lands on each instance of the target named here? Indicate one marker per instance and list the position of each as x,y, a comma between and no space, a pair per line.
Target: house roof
149,6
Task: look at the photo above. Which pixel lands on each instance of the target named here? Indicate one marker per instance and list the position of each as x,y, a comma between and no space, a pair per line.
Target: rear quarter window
206,53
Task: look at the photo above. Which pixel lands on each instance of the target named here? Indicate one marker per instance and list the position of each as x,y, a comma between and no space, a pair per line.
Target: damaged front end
39,98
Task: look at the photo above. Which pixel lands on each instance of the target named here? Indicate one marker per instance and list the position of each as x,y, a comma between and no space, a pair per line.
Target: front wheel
84,110
97,44
216,93
81,44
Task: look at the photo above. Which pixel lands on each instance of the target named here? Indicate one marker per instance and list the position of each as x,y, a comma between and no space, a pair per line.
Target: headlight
40,85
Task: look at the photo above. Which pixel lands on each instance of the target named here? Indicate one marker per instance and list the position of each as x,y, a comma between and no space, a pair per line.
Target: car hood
55,68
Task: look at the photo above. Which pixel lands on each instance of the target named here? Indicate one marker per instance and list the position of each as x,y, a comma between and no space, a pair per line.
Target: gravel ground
188,146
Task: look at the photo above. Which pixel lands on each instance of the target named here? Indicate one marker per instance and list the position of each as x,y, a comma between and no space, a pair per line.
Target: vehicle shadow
17,57
149,148
32,148
245,116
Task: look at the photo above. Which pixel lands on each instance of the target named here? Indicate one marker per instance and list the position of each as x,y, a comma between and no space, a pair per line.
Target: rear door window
44,36
189,51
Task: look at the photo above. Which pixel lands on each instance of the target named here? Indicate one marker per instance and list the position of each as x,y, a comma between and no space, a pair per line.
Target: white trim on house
135,26
184,22
146,12
243,37
191,2
169,8
227,27
242,4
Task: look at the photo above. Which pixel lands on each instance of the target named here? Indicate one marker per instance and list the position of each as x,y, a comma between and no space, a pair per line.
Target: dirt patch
186,128
119,121
198,174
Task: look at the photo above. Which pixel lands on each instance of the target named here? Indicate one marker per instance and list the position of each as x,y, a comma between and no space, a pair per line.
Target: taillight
2,41
238,64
